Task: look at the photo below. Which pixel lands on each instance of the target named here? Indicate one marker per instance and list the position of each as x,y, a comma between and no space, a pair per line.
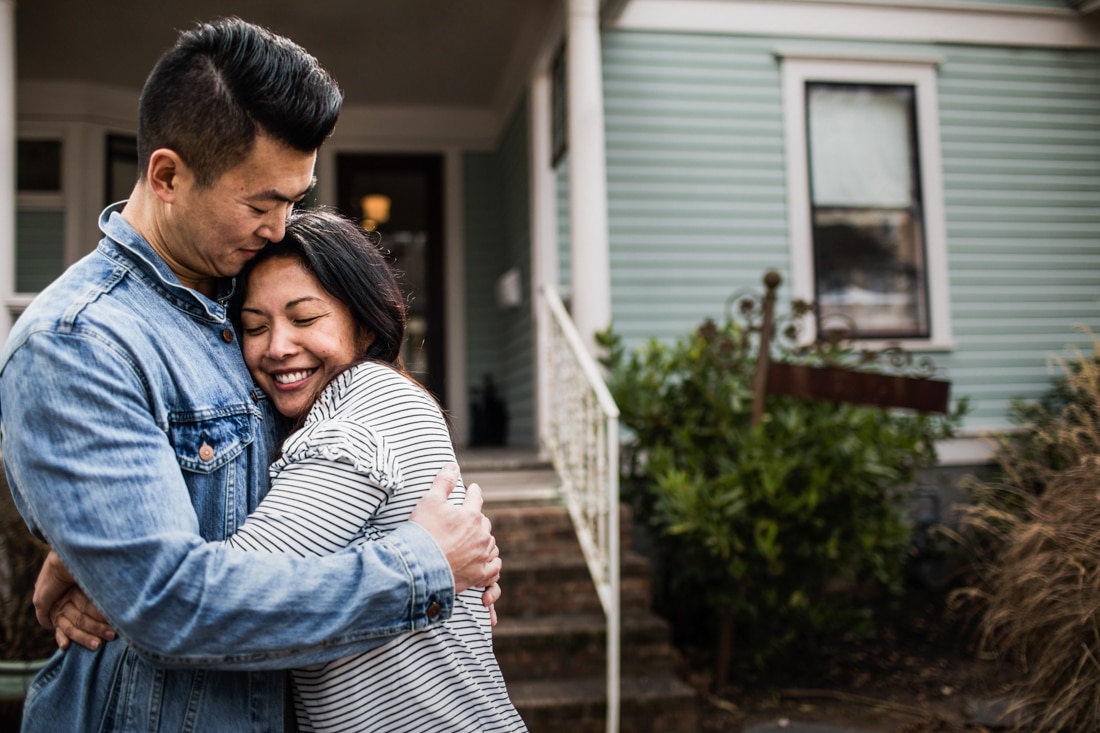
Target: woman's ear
166,173
366,339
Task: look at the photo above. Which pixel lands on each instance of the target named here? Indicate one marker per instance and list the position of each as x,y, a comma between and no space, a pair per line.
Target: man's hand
61,606
463,533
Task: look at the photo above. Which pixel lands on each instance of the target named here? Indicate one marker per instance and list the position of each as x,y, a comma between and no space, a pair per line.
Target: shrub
1037,527
765,524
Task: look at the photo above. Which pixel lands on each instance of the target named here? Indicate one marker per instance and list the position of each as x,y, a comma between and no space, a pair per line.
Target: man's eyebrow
272,194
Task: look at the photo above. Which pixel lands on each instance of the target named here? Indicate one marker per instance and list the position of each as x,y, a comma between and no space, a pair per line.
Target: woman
322,321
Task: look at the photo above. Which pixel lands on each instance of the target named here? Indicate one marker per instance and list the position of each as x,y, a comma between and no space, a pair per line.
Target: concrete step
658,703
570,646
560,583
543,528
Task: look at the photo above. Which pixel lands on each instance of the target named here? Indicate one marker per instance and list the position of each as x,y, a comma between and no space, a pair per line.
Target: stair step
558,584
575,645
533,525
658,703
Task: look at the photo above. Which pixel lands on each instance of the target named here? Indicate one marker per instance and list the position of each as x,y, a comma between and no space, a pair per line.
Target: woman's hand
489,598
76,618
61,606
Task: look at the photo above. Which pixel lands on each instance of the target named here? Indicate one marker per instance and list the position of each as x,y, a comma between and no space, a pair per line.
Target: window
865,197
39,216
121,167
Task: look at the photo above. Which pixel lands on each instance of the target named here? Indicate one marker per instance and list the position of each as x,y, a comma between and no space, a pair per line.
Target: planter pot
15,679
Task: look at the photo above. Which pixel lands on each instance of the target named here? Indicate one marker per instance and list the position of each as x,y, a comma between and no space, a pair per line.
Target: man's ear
166,173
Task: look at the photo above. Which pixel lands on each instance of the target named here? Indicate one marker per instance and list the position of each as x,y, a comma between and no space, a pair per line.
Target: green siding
1021,146
697,190
501,342
39,249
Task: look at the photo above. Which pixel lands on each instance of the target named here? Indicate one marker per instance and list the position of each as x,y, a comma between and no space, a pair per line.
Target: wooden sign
835,384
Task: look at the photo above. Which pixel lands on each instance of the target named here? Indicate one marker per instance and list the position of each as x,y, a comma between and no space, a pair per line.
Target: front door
401,196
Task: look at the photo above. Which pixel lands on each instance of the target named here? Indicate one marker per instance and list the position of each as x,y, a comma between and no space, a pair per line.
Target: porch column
591,262
7,163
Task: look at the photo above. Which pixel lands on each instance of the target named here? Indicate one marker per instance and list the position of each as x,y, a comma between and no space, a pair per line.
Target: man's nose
274,227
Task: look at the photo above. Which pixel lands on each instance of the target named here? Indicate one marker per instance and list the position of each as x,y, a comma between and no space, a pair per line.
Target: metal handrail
583,442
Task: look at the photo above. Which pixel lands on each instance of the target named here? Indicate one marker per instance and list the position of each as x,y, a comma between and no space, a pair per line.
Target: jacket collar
124,245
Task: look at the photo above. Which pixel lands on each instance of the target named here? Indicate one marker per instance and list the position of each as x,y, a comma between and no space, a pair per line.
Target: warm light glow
376,210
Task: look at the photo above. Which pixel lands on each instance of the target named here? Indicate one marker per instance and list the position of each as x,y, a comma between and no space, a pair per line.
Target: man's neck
145,213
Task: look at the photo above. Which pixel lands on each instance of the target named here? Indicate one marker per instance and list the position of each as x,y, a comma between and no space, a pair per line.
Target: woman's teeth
291,377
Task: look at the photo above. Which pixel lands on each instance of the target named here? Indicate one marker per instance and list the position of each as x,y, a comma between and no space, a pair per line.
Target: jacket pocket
206,440
212,449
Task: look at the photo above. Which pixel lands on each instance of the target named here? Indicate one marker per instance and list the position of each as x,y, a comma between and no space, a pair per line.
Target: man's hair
222,84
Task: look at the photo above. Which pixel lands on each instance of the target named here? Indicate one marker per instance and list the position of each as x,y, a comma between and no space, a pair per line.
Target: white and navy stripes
368,452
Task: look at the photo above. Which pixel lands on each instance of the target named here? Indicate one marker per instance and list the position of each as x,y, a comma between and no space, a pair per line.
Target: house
929,169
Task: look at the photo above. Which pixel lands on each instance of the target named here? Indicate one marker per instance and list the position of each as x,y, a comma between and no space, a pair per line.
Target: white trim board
867,20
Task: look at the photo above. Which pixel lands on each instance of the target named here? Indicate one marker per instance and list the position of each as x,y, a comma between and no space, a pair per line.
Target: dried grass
1039,529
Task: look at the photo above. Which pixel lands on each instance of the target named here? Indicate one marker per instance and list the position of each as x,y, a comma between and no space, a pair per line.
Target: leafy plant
786,528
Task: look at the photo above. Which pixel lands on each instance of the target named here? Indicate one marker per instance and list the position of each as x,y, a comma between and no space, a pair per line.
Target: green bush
787,529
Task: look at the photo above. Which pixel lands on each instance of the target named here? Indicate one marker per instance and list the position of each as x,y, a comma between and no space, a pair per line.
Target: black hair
223,82
350,267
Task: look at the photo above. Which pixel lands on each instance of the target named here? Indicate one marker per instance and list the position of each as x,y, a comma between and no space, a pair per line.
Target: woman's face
296,335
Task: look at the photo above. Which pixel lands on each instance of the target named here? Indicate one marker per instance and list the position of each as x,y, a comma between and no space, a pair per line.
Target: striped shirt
368,451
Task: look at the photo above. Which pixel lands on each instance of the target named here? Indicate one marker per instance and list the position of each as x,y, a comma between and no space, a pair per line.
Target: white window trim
798,68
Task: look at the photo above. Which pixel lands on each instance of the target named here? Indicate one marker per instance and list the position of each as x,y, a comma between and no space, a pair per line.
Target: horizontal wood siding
696,182
484,235
516,362
500,342
1021,151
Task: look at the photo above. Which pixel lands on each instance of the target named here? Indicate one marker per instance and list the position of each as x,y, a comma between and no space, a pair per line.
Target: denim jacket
133,436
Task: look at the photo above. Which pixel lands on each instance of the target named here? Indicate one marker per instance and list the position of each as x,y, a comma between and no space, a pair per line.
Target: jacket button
433,610
206,453
227,335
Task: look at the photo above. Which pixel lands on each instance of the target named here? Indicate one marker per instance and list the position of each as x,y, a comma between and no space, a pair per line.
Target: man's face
212,232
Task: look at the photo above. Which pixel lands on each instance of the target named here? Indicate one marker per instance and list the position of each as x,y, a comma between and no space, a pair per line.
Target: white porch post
544,239
590,293
7,163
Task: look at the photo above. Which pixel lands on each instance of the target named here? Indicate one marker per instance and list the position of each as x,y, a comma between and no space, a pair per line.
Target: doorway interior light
376,210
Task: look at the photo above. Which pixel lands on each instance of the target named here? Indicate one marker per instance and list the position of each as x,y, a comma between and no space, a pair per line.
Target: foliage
21,555
1037,527
797,524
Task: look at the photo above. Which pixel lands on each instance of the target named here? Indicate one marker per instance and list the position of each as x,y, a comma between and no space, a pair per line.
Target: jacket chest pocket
205,443
211,448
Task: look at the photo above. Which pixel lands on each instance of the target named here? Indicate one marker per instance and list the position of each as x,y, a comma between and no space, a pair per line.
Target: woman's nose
282,343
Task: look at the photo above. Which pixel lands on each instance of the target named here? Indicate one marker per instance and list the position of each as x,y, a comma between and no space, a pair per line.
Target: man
132,433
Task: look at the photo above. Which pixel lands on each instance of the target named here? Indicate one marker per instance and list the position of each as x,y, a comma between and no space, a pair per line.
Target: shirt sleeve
331,479
93,471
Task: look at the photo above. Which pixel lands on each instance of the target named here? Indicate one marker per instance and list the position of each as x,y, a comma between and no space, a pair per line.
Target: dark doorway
401,196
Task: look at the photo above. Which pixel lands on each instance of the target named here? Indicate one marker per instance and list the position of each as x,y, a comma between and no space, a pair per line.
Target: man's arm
94,473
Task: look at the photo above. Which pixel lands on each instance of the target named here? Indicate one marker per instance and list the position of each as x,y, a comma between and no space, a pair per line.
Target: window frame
798,68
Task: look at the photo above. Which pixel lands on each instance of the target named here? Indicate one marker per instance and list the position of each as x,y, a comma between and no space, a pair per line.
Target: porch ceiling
382,52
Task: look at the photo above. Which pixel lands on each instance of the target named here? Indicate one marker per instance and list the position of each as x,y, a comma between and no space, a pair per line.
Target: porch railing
583,442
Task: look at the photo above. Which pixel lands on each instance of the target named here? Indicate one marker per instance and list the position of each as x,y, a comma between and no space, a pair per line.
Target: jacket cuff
433,583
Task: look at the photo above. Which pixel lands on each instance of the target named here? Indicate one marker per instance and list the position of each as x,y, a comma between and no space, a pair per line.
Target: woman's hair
223,83
350,267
